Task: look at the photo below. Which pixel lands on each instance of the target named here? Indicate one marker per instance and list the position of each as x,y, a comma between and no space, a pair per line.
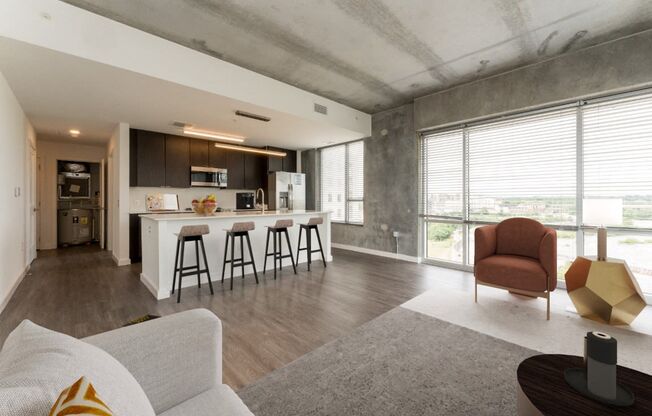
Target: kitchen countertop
223,215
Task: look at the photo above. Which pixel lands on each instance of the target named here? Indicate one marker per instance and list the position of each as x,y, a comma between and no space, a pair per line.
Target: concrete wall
391,192
16,134
615,66
49,152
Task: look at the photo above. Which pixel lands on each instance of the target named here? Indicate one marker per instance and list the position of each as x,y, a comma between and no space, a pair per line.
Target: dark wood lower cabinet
135,244
235,165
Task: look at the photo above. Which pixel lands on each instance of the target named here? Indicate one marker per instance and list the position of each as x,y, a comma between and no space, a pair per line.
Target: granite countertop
223,215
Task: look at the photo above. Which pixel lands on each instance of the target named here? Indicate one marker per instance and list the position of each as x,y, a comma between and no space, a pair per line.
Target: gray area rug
401,363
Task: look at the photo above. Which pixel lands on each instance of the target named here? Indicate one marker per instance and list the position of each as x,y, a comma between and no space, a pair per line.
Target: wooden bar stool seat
241,230
277,230
312,224
189,233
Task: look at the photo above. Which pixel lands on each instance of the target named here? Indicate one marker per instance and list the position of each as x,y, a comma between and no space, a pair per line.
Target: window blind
618,156
442,178
524,166
355,182
333,182
342,182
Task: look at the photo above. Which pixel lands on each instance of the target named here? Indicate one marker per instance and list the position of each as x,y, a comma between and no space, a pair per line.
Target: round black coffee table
542,389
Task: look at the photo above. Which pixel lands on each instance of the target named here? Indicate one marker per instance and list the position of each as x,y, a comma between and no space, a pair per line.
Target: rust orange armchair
519,255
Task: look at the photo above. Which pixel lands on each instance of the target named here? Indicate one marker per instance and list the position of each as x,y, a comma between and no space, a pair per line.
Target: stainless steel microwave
208,177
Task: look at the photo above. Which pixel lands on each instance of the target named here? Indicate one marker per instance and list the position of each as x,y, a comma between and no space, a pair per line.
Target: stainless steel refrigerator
287,191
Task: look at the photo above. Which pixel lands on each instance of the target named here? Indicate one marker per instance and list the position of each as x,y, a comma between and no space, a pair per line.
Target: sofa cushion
218,401
36,364
516,272
519,237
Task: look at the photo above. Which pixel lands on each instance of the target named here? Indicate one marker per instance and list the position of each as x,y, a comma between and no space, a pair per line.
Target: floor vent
322,109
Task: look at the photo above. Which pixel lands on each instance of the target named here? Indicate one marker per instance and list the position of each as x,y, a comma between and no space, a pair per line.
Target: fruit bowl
204,208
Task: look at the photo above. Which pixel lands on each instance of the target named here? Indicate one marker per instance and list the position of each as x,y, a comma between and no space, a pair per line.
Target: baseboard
7,298
154,291
380,253
120,262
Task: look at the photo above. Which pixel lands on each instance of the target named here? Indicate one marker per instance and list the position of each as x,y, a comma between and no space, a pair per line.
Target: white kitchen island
159,245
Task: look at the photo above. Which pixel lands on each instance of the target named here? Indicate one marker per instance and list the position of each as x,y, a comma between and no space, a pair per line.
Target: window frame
467,225
347,198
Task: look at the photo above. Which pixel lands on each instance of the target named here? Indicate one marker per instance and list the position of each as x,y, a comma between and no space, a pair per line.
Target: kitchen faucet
262,201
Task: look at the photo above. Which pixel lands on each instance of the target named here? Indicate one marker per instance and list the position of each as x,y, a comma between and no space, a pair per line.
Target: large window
342,182
543,165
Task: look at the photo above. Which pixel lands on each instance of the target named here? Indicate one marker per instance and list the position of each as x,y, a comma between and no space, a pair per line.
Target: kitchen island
159,244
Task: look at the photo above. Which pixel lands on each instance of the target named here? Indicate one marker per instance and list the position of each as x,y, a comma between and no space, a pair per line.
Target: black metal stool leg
242,262
176,265
226,251
309,251
323,258
232,256
208,273
183,246
299,245
275,255
280,249
266,252
251,255
198,267
287,238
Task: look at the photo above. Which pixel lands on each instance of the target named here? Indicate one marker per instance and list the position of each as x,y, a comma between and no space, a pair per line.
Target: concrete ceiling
59,92
377,54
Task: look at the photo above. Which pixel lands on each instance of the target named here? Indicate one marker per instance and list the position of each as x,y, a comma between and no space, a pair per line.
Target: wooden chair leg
266,252
287,238
198,266
274,256
232,257
183,245
321,250
548,305
299,245
242,262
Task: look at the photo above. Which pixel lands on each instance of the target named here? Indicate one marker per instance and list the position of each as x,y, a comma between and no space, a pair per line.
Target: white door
33,207
102,200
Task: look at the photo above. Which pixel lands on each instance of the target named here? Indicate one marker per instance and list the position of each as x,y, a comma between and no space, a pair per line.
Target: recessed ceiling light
74,132
213,135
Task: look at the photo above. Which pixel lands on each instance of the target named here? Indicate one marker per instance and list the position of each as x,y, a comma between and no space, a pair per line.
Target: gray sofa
177,360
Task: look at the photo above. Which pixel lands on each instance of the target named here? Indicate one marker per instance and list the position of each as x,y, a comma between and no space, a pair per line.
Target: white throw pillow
36,364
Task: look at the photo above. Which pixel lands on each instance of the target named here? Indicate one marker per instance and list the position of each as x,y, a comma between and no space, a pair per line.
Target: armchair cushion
517,272
519,237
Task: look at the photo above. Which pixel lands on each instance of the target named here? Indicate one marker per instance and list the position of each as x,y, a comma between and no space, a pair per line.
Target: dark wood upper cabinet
216,156
147,158
274,163
235,165
255,172
199,152
177,161
290,161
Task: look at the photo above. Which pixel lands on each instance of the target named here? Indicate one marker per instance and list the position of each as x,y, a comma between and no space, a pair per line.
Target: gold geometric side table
604,291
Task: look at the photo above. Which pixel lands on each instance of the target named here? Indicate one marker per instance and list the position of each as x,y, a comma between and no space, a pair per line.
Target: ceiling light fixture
250,150
213,135
252,115
74,132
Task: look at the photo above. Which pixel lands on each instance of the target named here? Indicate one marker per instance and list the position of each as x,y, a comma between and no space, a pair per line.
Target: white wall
49,152
15,133
118,207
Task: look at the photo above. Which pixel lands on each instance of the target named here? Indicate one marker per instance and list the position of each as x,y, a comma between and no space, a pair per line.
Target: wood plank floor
79,291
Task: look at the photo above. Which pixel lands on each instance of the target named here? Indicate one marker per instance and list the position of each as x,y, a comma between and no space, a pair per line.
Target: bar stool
311,225
239,229
186,234
278,229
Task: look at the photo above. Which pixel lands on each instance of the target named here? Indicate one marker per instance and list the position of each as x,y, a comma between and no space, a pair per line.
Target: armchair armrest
173,358
485,242
548,256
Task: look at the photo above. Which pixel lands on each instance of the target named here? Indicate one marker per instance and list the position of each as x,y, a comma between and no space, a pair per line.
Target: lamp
602,212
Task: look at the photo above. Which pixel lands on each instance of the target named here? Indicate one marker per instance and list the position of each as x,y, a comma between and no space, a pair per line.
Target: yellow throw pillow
80,399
